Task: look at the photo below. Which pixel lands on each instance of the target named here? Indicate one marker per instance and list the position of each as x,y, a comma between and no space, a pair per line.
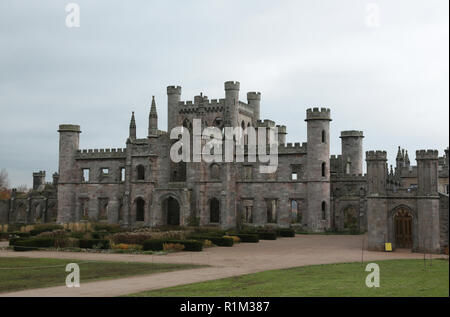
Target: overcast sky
390,80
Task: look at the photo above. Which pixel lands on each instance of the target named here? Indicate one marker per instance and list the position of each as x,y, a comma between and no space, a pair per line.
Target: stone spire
153,120
399,161
132,127
407,161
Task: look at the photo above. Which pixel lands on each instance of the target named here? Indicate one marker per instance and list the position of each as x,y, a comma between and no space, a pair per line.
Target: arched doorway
171,208
140,209
350,215
214,210
403,228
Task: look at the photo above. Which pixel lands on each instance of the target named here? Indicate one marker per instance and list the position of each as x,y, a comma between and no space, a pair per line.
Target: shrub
20,234
43,228
153,245
32,244
207,243
94,244
267,235
245,237
286,232
129,247
141,237
219,241
158,245
53,234
235,238
108,227
173,247
100,234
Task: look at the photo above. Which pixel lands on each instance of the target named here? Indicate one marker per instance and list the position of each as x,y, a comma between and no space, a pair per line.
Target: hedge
44,228
20,234
286,232
252,238
32,244
157,245
94,244
267,235
219,241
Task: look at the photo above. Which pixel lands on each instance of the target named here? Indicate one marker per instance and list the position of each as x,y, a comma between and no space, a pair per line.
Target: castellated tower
231,103
173,98
428,200
254,100
69,138
352,152
318,168
376,199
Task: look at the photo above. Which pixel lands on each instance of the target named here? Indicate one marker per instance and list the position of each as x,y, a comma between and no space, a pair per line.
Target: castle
140,185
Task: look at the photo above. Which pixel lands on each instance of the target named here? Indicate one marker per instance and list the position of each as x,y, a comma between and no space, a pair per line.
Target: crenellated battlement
427,154
232,85
174,90
376,156
266,123
318,114
292,148
253,95
281,129
101,153
352,133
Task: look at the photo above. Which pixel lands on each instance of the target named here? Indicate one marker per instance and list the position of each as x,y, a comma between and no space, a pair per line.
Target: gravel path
240,259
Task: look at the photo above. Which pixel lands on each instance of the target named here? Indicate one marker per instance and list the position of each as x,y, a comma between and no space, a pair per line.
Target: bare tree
4,181
22,189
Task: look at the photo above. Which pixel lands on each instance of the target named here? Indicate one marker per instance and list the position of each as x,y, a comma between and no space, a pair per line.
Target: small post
362,251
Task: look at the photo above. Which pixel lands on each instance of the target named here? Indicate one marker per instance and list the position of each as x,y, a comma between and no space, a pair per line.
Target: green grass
397,278
27,273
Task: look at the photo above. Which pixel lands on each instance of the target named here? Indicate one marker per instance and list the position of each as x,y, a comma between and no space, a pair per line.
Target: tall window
140,172
85,175
324,137
122,174
140,207
324,210
323,169
214,211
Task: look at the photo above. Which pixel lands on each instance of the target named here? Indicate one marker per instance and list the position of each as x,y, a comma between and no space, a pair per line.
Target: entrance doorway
403,229
172,210
214,211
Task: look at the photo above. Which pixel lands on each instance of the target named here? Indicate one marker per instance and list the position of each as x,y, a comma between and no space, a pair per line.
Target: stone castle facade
140,185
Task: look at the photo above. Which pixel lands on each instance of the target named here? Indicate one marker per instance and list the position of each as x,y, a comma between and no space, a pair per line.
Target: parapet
101,154
290,148
174,90
69,128
376,156
232,85
252,95
318,114
352,133
265,124
281,129
427,155
39,174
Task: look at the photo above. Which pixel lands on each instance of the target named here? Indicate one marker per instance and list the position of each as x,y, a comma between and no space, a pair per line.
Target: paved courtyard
243,258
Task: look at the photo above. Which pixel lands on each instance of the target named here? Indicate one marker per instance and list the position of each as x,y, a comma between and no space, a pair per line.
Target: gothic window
122,174
215,171
323,169
140,169
85,175
248,172
140,208
271,208
324,137
324,210
214,210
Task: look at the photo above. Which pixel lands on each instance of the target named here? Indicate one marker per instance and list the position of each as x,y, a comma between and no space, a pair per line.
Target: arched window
140,169
324,210
324,137
140,208
214,211
323,169
215,171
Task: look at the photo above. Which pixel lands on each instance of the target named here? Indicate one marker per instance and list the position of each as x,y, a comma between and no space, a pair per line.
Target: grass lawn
397,278
26,273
